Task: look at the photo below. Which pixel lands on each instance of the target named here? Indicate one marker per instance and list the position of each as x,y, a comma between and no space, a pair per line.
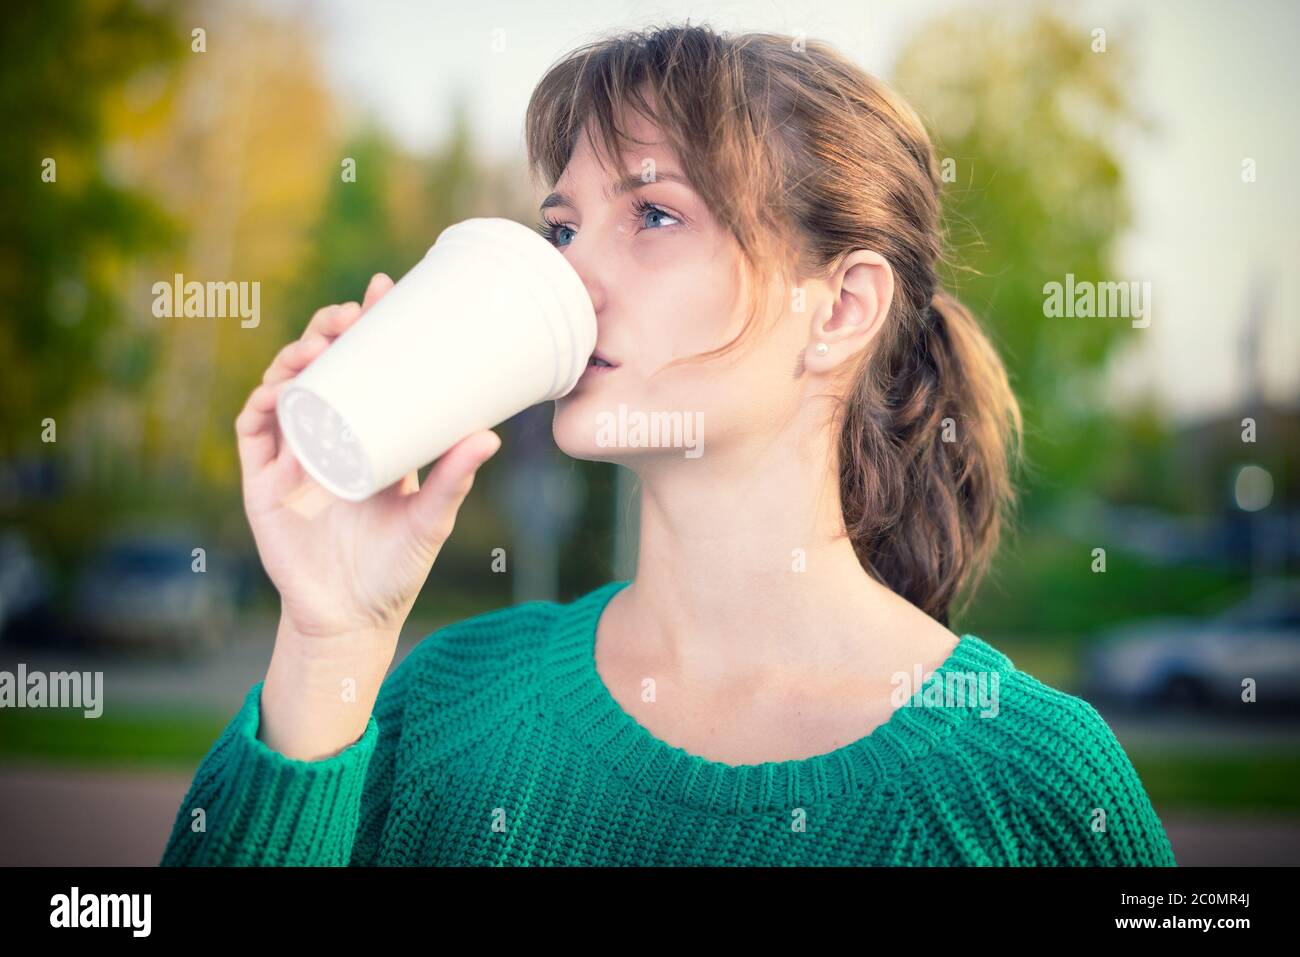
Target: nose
585,263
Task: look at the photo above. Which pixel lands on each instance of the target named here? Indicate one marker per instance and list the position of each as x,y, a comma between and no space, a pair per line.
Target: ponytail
925,449
804,156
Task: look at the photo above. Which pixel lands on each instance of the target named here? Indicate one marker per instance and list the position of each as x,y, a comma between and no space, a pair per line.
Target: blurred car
26,590
142,591
1201,662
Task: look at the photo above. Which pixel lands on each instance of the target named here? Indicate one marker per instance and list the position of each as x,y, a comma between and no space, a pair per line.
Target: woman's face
664,279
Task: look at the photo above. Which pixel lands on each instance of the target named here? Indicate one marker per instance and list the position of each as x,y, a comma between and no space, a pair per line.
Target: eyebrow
629,182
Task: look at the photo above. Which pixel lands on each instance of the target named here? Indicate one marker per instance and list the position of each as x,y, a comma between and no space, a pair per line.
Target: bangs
709,100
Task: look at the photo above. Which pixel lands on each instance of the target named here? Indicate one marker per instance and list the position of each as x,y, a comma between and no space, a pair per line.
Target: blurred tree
1029,113
245,159
362,226
67,225
1134,465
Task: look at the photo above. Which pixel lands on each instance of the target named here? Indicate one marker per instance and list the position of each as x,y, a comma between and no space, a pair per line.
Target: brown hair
805,157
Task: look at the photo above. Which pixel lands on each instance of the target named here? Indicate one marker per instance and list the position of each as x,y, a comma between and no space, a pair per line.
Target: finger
255,430
380,283
410,483
400,490
333,321
317,317
432,510
294,357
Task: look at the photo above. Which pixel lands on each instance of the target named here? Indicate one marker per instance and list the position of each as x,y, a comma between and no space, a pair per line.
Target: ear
861,291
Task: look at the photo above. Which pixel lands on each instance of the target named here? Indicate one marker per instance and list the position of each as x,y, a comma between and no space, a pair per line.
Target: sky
1218,81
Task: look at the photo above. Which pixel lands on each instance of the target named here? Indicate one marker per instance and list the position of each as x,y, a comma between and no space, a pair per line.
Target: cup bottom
324,444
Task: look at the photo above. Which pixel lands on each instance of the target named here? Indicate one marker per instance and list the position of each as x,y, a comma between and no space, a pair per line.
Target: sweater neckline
667,773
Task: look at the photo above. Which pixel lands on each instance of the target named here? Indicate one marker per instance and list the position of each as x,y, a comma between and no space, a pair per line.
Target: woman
757,223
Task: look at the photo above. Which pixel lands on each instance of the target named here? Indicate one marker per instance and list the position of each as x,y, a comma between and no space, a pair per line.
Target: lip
591,363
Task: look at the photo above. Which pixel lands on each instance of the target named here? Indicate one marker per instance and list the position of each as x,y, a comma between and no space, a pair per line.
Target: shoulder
469,677
493,645
1069,787
482,641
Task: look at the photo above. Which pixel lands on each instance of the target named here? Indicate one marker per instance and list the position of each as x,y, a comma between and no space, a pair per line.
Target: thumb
432,510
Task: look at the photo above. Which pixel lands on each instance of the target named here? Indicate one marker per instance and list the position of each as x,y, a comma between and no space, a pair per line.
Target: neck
744,569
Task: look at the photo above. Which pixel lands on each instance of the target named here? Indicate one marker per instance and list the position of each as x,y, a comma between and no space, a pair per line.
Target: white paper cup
491,321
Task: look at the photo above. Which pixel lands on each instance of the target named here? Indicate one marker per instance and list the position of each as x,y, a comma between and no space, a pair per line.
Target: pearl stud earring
822,349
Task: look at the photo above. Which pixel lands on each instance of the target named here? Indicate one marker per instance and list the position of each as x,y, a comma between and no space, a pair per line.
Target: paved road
86,818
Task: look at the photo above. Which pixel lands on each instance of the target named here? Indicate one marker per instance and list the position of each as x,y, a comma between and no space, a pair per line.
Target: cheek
687,309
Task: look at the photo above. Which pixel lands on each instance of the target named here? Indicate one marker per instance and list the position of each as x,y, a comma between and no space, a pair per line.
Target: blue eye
548,228
641,210
644,209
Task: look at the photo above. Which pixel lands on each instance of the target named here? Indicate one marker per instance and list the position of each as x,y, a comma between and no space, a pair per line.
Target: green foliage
1029,116
62,243
385,220
1044,587
352,239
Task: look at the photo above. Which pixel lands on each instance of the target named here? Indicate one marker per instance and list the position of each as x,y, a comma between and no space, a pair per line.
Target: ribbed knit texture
495,741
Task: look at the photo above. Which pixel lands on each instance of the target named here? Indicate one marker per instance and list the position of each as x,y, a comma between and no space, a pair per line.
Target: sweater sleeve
1083,804
1141,840
251,805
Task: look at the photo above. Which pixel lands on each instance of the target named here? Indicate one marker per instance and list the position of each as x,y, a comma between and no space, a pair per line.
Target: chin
605,425
575,427
581,427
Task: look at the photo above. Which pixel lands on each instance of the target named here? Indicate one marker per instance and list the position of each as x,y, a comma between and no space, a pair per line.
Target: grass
1241,784
53,736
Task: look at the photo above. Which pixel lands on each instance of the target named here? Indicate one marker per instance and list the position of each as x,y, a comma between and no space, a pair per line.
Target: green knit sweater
495,741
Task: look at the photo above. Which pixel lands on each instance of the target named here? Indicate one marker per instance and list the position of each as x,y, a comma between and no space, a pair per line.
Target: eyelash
547,227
